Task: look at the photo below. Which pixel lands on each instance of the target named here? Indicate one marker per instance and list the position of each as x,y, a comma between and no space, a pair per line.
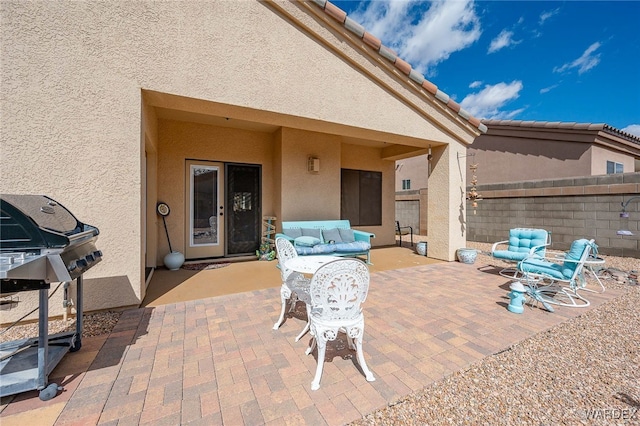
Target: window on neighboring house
361,197
613,167
406,183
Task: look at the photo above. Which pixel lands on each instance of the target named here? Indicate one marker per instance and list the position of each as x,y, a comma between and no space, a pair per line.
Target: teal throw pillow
331,235
292,232
347,235
306,241
311,232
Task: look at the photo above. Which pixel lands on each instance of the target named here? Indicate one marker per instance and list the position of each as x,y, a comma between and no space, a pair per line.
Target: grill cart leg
78,338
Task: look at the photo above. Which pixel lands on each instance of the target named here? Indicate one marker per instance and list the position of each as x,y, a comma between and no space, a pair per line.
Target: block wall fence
570,208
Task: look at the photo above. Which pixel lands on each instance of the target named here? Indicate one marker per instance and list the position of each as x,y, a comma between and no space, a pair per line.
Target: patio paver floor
218,361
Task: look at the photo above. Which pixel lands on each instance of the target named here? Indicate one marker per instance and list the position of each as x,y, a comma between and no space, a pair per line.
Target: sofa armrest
363,236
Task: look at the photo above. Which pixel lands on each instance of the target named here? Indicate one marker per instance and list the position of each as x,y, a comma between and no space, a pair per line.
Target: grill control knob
72,266
82,263
90,258
97,254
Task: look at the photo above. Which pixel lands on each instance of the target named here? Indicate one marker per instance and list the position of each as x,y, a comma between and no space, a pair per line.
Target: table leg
590,268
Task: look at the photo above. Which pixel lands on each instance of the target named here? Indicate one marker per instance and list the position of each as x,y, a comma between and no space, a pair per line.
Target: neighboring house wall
413,169
600,156
586,207
515,150
506,159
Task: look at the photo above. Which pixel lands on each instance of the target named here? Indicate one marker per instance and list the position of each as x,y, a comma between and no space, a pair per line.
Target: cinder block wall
411,210
584,207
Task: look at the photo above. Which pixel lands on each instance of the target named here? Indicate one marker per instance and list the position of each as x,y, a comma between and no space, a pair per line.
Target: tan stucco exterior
102,103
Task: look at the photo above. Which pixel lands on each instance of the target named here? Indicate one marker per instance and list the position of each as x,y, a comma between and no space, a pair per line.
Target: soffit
199,111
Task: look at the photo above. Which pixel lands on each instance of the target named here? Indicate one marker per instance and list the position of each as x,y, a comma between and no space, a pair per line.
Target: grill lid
36,221
42,242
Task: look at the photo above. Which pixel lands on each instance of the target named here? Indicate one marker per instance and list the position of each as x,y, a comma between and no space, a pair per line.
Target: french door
210,187
205,225
243,219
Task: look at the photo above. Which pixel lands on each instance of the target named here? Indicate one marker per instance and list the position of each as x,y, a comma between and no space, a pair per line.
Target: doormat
204,266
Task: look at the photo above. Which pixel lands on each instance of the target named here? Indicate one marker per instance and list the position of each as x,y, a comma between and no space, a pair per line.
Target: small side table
589,263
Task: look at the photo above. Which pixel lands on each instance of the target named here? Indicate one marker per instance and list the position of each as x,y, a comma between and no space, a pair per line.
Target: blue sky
569,61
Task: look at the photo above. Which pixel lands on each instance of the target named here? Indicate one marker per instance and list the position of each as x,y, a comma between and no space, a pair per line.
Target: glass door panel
204,210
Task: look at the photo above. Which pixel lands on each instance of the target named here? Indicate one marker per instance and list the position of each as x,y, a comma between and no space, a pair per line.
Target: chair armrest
534,249
493,247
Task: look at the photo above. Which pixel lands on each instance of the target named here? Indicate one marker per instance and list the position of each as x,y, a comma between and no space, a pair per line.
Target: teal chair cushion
562,271
575,253
539,266
523,239
515,256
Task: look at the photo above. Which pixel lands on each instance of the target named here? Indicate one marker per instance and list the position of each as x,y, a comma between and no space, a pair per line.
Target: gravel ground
94,324
584,371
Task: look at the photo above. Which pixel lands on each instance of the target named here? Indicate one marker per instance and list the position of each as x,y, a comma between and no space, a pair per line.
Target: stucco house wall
102,102
180,141
514,150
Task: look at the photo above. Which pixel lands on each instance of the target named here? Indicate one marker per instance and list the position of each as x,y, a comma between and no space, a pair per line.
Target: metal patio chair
557,280
404,230
337,291
522,243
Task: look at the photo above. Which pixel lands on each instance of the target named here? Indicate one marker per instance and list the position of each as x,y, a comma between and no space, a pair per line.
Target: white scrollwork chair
337,292
292,282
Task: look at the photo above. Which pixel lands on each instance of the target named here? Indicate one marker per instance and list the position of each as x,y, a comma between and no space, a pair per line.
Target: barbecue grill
41,242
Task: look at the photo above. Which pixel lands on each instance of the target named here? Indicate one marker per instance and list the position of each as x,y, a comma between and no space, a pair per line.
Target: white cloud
504,39
422,36
488,102
475,84
548,89
634,129
584,63
548,14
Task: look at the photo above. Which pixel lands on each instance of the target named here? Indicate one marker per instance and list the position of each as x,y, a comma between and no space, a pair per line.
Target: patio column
446,219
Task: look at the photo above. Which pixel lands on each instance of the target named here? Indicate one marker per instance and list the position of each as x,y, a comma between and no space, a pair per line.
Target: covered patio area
216,360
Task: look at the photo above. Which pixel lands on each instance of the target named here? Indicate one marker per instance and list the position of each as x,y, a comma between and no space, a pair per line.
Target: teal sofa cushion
347,235
311,232
306,241
293,232
332,234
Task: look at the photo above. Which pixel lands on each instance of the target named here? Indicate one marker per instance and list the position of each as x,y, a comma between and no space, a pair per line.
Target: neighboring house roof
558,125
341,16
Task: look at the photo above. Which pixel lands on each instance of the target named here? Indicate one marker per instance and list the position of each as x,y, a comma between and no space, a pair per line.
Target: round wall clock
163,209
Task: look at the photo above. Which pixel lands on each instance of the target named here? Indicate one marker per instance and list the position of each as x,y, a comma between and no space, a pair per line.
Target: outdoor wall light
624,218
313,164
